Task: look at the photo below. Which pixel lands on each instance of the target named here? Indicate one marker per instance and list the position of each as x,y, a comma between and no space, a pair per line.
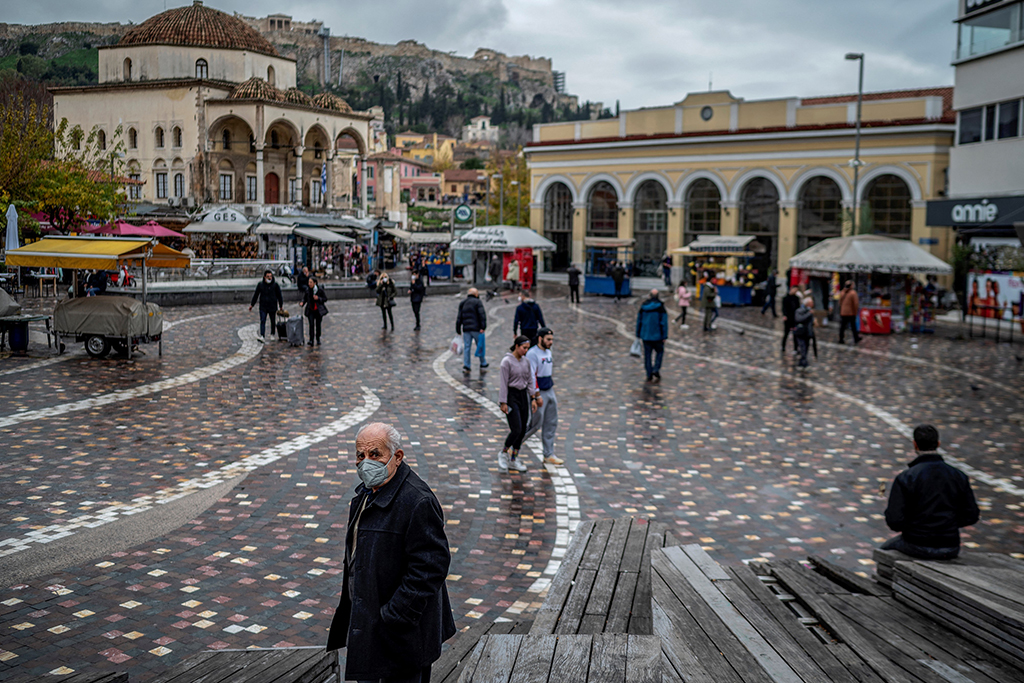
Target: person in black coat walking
417,290
302,281
528,318
471,322
771,288
316,308
268,293
618,277
394,611
790,303
929,502
574,283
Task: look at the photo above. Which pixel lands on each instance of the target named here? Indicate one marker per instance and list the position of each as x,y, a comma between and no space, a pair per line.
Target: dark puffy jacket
804,322
930,501
528,317
269,296
652,321
790,303
401,613
471,316
574,276
417,290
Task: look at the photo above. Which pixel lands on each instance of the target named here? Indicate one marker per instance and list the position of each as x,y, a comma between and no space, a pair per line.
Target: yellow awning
103,253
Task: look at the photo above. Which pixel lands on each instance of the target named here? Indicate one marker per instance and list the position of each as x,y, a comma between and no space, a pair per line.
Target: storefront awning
217,228
274,229
607,242
722,245
869,254
322,235
502,238
103,253
419,237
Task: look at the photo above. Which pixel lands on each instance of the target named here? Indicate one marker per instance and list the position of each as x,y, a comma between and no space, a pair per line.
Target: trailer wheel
97,346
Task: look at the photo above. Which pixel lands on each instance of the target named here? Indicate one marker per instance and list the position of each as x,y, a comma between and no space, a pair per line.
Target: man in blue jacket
528,318
652,330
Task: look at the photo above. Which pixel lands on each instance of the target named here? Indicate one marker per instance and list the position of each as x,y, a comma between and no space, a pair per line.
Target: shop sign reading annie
979,211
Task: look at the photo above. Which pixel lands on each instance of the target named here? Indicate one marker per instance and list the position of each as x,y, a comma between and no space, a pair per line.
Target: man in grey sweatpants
546,416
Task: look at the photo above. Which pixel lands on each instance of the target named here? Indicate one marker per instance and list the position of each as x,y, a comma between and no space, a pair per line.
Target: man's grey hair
391,435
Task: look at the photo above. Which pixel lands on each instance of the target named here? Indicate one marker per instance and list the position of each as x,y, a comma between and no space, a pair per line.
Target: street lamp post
487,202
516,183
501,198
858,57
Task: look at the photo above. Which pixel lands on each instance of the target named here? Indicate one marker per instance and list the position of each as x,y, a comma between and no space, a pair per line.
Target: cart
712,253
601,252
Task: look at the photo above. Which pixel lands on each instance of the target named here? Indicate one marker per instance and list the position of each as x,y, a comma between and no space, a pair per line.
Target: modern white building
986,164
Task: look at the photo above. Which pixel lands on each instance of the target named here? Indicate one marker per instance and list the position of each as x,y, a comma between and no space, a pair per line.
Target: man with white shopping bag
471,323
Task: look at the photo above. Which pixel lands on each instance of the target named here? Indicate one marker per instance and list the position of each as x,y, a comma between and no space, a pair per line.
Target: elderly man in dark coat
394,611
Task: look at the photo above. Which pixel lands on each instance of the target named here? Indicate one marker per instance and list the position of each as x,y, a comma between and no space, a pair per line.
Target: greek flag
323,180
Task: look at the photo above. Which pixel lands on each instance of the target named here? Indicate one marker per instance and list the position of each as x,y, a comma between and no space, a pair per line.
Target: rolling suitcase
282,329
294,328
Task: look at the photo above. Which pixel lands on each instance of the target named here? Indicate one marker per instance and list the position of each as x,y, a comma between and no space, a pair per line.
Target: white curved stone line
250,349
115,511
999,484
880,354
68,356
567,500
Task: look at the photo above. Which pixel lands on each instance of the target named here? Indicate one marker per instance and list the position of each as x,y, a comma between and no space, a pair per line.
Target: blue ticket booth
602,255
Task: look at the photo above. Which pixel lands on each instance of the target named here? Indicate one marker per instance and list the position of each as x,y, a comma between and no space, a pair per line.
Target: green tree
504,194
472,164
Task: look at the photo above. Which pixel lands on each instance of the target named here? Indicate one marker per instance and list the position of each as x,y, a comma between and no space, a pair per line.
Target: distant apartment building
468,183
480,129
416,181
986,162
430,148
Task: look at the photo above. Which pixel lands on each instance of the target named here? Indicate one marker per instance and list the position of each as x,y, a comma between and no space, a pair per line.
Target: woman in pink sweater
514,391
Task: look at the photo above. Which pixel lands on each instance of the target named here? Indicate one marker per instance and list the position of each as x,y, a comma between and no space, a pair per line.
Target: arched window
650,226
820,210
159,137
558,224
703,210
127,69
226,139
133,139
179,184
101,139
888,207
759,215
202,69
176,136
270,75
603,211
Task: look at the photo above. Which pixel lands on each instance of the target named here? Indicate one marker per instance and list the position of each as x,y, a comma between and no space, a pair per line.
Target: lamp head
854,56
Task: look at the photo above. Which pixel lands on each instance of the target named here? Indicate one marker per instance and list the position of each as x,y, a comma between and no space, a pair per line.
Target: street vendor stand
728,258
601,252
882,269
102,253
437,256
514,243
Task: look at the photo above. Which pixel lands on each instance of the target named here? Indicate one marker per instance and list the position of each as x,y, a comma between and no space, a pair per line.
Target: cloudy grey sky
641,52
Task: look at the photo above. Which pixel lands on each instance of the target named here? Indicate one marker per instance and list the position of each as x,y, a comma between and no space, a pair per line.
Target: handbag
321,308
637,348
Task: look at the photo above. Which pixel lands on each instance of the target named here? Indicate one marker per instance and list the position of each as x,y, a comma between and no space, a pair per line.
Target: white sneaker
554,460
518,465
685,327
503,461
260,339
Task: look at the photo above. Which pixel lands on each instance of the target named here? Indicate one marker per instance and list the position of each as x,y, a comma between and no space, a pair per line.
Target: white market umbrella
502,238
869,254
12,229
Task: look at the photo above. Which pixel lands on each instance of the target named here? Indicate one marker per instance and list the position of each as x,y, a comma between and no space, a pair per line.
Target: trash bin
17,336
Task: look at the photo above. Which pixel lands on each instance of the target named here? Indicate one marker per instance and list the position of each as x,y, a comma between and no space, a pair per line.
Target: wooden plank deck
575,658
448,668
277,665
77,677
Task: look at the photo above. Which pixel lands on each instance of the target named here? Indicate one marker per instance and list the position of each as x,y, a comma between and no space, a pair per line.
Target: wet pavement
736,448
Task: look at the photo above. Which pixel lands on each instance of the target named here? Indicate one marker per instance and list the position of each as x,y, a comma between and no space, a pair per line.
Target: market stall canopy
322,235
420,237
722,245
869,254
104,253
502,238
218,228
274,228
608,242
149,229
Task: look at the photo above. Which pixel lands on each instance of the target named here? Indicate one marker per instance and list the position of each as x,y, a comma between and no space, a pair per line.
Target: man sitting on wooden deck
929,502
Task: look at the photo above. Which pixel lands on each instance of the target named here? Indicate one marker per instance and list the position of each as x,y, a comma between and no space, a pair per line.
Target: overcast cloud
642,53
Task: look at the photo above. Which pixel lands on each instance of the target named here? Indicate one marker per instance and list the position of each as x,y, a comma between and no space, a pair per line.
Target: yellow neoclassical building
779,169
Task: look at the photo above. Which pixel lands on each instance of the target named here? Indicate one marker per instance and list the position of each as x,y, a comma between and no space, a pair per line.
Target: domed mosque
210,114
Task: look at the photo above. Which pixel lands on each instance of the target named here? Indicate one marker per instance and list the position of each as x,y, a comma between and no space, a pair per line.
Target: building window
603,205
225,186
315,195
202,69
971,125
888,207
127,69
650,224
133,139
293,191
135,189
820,212
989,31
703,209
225,138
176,137
159,137
1009,119
990,122
270,75
101,139
369,171
250,188
371,195
179,184
161,186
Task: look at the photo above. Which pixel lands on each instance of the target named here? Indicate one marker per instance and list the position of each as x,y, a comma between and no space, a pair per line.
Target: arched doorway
558,225
271,189
820,212
887,209
650,228
759,216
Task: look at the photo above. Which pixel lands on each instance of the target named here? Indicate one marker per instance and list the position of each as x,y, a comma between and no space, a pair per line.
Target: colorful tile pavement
735,448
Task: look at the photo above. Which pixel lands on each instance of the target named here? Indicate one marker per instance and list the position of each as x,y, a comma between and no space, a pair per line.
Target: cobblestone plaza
155,508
